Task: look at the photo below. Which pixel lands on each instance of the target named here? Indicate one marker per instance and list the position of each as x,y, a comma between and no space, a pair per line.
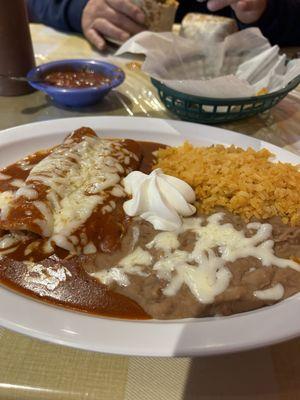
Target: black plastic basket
212,110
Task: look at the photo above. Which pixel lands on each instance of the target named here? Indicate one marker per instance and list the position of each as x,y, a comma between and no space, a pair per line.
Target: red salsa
76,79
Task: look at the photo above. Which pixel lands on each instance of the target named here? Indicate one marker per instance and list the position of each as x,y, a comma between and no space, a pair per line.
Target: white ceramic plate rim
193,337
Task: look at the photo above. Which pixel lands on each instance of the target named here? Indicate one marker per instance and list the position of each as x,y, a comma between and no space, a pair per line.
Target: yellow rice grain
245,182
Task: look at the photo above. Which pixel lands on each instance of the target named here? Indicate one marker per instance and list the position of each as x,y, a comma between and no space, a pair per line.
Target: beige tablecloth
31,369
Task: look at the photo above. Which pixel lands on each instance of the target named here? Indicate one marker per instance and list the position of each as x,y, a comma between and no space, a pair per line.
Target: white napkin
242,65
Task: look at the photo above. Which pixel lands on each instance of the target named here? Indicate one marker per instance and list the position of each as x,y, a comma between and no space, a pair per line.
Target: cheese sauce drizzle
204,270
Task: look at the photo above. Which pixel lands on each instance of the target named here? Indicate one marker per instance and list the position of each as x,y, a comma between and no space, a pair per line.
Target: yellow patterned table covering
34,370
31,369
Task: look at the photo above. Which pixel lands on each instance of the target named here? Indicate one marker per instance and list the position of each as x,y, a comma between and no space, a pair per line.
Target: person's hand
247,11
117,19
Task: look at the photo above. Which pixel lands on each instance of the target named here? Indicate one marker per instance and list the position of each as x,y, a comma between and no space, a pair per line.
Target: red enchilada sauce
76,79
54,276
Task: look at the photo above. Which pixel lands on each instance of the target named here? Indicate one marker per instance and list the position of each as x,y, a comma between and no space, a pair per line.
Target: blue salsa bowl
76,97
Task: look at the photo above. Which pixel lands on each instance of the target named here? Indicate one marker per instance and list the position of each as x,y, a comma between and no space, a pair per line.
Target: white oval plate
192,337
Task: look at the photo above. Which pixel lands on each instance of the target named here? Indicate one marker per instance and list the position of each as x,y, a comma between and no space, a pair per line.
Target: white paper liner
242,65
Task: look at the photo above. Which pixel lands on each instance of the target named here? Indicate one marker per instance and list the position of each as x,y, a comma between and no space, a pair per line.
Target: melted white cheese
73,212
274,293
49,277
47,247
8,251
131,264
30,248
206,279
63,242
135,236
107,277
77,175
233,244
118,191
106,209
90,248
203,270
46,223
4,177
17,183
28,192
5,201
74,239
9,240
165,241
136,258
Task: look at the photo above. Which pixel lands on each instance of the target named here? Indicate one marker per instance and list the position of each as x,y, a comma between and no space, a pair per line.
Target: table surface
31,369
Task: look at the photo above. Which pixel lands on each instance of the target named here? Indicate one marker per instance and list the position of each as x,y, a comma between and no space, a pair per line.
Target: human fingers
249,11
123,22
215,5
128,8
95,38
244,5
107,28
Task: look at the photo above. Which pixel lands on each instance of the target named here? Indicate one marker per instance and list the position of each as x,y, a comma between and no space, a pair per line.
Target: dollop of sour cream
159,199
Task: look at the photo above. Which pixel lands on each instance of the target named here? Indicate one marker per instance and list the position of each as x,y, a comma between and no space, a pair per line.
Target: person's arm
96,19
277,19
64,15
281,22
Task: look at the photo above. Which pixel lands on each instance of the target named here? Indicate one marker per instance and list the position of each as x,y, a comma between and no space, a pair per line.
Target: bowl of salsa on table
76,83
